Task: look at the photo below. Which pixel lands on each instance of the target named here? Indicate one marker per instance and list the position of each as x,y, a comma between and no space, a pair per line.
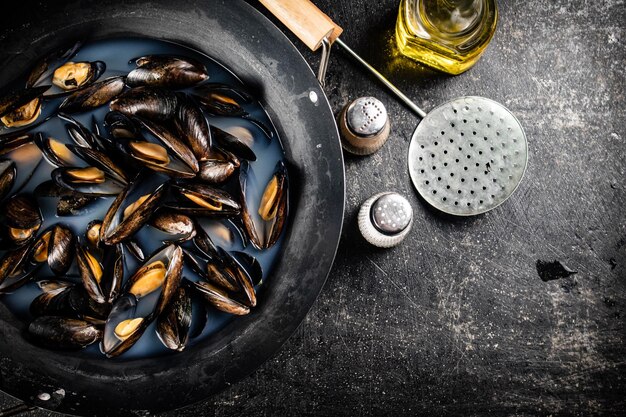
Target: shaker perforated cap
385,219
364,126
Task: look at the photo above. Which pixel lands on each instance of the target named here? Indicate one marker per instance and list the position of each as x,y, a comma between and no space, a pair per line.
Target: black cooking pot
239,37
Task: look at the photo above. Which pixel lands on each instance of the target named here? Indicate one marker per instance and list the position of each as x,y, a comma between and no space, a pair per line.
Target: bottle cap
364,126
385,219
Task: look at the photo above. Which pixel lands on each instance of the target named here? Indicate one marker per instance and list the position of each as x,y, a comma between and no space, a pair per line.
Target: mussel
80,134
89,181
264,220
55,247
175,321
70,203
221,99
41,69
9,143
56,152
101,277
147,292
233,144
242,276
22,219
73,75
21,108
15,270
204,200
167,71
218,166
171,155
148,102
54,301
120,126
94,96
178,226
194,129
220,299
7,176
63,333
101,160
132,208
92,234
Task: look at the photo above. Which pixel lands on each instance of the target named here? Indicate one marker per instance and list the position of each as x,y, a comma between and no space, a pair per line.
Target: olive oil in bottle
449,35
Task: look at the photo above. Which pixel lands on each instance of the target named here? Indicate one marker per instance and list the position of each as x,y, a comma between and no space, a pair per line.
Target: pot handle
305,20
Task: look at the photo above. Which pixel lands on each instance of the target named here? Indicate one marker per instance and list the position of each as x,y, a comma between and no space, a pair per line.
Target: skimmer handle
305,20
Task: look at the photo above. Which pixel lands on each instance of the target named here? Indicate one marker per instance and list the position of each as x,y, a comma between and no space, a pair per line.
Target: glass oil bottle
448,35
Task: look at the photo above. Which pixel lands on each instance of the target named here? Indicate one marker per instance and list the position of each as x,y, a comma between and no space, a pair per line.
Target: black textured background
456,320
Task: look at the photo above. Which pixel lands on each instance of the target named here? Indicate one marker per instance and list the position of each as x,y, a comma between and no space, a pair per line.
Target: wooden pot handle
305,20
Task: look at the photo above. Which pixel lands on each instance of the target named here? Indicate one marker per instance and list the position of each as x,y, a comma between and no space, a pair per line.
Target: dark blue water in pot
119,55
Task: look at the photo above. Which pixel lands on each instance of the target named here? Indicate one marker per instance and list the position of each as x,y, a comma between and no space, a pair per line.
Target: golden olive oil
449,35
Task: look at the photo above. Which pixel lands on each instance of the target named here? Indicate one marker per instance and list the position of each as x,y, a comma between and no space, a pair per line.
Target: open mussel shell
10,142
80,134
8,171
157,157
102,272
85,307
123,327
218,273
92,234
204,200
178,226
250,265
70,203
147,292
167,71
221,99
94,96
73,75
220,299
161,274
194,129
11,104
55,246
203,243
101,160
15,270
175,321
53,284
264,217
42,69
89,181
242,277
56,152
63,333
148,102
22,220
132,208
232,143
171,144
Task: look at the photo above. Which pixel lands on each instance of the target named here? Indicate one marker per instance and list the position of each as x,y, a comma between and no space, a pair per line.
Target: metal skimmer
467,156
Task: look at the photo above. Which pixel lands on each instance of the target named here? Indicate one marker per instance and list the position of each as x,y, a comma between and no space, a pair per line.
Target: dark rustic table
456,320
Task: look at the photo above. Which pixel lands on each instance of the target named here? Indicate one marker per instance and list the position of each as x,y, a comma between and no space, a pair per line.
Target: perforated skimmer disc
467,156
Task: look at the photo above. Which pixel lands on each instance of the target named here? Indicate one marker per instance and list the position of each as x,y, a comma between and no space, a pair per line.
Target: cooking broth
119,55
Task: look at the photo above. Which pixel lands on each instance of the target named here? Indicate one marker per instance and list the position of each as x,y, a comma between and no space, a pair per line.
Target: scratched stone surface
456,320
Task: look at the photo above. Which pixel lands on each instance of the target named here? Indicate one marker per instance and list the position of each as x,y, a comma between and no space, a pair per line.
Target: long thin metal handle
18,409
384,80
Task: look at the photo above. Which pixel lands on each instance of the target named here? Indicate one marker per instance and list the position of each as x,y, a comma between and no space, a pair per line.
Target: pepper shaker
364,126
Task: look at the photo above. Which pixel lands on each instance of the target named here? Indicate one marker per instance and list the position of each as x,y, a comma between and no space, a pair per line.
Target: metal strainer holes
461,169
